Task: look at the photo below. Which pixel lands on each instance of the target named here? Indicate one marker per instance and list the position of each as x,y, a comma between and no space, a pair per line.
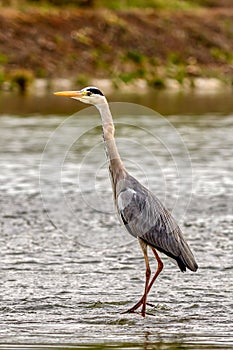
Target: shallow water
68,269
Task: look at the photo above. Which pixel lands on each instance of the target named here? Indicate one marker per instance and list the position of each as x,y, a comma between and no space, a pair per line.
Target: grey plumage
140,211
144,216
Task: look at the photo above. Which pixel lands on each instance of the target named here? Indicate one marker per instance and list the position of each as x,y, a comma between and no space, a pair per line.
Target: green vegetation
176,68
81,80
71,39
222,55
120,4
159,4
157,83
21,79
3,59
115,4
2,77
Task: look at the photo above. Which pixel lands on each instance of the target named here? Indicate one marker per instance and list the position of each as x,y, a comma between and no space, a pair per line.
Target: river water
68,269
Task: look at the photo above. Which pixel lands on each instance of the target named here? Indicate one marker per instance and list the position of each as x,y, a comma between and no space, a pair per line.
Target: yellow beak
69,93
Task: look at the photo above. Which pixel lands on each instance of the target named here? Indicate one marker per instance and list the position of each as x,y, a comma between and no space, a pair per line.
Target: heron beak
76,94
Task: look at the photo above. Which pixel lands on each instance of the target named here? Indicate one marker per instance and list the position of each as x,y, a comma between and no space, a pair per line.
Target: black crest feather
94,90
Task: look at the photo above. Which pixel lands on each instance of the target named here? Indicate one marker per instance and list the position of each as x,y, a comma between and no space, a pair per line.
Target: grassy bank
123,45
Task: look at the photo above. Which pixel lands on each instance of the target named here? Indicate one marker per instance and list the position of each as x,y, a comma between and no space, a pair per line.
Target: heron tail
186,258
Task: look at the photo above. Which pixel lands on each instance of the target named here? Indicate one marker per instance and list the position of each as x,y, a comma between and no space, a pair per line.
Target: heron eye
89,93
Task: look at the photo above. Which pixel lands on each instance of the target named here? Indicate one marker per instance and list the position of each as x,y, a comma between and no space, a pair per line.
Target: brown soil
104,43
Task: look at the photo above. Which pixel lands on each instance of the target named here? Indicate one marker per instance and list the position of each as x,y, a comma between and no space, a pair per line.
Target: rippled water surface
68,269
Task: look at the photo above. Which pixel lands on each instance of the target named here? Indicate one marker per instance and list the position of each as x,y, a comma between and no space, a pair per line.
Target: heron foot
136,306
137,312
130,311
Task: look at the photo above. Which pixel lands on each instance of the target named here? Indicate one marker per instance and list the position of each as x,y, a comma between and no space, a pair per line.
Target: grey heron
139,210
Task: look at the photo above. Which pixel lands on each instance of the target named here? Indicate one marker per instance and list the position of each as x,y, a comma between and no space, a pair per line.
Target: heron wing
144,216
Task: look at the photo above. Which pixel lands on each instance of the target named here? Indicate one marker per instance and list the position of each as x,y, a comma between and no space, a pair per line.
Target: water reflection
164,102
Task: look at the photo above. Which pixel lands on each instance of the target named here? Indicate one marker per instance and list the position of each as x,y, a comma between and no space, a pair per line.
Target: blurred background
67,269
152,43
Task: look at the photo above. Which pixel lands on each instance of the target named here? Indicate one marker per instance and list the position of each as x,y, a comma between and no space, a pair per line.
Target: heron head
90,95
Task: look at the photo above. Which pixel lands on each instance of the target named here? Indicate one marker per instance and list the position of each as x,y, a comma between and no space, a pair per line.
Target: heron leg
143,299
148,274
159,268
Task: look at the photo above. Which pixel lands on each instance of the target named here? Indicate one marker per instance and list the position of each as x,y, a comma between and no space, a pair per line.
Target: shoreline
209,96
40,87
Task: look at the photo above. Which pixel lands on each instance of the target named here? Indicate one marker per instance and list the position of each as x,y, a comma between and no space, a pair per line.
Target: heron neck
108,136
